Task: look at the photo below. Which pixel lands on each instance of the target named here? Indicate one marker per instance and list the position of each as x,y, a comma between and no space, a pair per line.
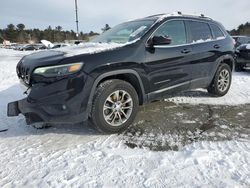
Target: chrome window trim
177,85
171,87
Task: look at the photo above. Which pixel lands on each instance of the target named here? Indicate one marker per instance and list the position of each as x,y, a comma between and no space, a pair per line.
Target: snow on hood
89,48
248,46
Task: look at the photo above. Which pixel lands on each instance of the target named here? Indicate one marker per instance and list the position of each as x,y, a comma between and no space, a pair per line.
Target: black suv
133,63
242,45
239,40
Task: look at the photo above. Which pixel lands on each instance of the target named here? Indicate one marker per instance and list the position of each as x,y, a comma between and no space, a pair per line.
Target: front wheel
115,106
222,81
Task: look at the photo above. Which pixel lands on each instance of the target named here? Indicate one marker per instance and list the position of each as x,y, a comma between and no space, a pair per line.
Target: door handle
185,51
216,46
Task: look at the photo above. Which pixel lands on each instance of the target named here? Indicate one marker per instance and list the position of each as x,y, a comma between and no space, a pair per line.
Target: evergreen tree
11,33
20,27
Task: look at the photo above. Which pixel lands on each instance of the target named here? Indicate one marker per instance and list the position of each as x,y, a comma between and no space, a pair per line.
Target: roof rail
155,15
179,13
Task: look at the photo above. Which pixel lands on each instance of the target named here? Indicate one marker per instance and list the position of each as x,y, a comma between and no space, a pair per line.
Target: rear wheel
222,81
115,106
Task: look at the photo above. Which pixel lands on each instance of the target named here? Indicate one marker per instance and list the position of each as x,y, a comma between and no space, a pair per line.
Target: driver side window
175,30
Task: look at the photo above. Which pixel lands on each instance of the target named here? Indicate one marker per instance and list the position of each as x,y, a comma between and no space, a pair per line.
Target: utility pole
77,25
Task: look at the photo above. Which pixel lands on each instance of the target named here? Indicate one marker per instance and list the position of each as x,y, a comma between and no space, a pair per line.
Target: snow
76,156
90,48
201,40
238,94
248,46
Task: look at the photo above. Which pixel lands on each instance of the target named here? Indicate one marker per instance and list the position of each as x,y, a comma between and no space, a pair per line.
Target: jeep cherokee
133,63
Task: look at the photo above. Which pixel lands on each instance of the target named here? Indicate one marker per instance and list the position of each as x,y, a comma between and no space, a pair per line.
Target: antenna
77,22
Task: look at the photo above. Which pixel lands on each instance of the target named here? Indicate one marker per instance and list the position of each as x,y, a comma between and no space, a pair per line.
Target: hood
51,57
88,48
48,57
42,58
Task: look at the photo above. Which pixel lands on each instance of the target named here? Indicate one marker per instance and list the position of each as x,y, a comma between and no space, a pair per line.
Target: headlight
59,70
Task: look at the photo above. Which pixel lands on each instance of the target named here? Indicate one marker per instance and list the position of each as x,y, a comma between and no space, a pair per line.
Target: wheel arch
227,59
128,75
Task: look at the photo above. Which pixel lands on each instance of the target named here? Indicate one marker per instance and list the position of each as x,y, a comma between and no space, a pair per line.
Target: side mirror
159,40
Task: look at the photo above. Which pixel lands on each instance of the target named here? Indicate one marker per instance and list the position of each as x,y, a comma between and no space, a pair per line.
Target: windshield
125,32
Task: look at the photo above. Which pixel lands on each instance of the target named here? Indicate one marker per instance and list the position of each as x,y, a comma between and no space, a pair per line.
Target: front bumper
34,114
242,61
64,101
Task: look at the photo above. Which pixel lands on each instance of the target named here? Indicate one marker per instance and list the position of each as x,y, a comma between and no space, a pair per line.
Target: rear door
205,52
168,66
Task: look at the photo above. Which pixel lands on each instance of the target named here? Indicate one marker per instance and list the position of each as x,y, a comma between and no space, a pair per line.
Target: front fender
110,74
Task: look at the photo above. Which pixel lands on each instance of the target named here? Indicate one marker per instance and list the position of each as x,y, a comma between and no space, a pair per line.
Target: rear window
199,32
218,34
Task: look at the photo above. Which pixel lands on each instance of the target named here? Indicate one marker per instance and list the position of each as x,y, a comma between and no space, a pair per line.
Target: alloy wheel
117,108
224,80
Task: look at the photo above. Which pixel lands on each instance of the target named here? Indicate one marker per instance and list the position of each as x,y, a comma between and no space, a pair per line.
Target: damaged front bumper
64,101
35,113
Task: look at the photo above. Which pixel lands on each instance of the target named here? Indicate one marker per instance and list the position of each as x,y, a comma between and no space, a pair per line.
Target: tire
239,68
222,81
112,114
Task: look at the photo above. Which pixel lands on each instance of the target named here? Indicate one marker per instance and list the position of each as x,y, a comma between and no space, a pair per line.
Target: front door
169,66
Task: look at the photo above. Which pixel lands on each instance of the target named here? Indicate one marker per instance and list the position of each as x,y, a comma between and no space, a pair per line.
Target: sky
94,14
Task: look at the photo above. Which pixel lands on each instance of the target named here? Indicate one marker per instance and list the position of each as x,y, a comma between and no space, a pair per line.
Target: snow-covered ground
239,93
77,156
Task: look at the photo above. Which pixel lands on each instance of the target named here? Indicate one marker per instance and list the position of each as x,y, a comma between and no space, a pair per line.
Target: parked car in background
60,45
242,57
32,47
129,65
239,40
19,46
41,47
242,52
29,47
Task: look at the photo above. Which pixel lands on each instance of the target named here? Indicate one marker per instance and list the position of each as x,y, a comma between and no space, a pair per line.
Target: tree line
243,29
20,34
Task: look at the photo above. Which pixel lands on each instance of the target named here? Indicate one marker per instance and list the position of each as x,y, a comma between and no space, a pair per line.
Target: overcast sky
93,14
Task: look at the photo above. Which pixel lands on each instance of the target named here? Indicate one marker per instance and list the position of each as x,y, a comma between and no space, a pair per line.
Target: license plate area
26,90
13,109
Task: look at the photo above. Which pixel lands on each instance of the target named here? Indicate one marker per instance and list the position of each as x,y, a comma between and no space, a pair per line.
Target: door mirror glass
161,40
